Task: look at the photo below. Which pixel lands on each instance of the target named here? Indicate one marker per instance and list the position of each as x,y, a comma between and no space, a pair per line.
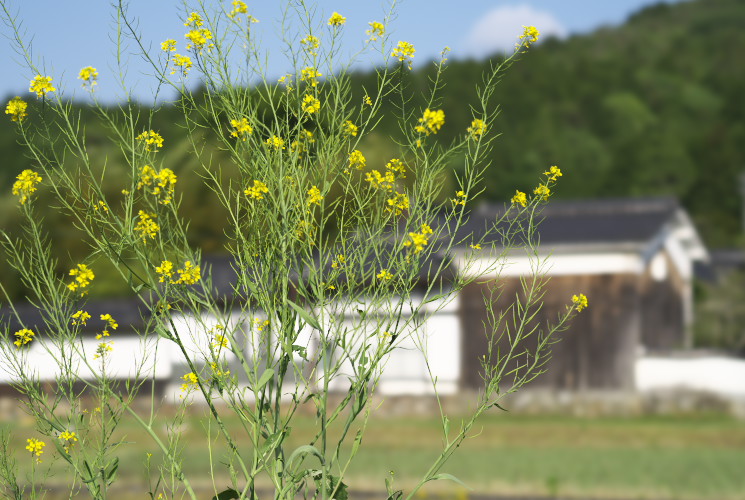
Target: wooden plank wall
598,349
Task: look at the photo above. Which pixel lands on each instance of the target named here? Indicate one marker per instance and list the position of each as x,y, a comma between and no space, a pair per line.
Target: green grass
656,458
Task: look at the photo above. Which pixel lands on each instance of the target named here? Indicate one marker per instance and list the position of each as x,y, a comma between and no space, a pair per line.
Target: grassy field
654,457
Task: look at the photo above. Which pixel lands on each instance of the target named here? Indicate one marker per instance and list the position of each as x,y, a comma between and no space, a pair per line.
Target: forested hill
654,106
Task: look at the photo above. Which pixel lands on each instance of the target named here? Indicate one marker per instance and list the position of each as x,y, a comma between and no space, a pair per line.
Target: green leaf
301,351
306,449
265,377
396,495
310,320
450,477
111,474
62,451
357,442
228,494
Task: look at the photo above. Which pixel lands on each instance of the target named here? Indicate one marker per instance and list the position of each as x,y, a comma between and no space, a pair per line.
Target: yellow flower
367,100
16,108
168,45
194,20
431,122
580,301
404,52
36,447
25,185
460,198
89,75
257,191
530,35
310,75
276,142
397,168
220,342
350,128
152,139
339,261
337,19
310,44
553,173
477,128
146,226
384,275
83,277
398,203
182,63
41,85
162,183
242,128
24,337
314,196
260,325
476,246
103,349
239,7
381,181
80,318
542,191
199,39
519,199
165,270
311,104
357,160
189,275
190,382
376,30
69,439
101,206
419,240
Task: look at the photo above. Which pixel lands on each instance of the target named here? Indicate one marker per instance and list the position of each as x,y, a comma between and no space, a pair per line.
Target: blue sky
72,34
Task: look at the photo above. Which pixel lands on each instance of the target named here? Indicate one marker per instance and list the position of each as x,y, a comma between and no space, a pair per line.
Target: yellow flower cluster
276,142
542,191
339,261
146,227
530,35
384,275
357,160
431,122
404,52
553,173
241,128
89,75
16,108
161,183
152,139
314,196
103,349
36,447
25,185
68,440
395,169
83,276
110,323
398,203
24,337
239,7
337,19
376,30
199,39
257,191
311,104
477,128
310,44
194,20
181,63
168,45
419,240
41,85
189,275
101,205
80,318
519,199
300,145
350,128
190,382
460,198
579,301
310,75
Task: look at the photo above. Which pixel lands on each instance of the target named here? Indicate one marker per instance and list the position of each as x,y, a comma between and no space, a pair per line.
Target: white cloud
498,30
